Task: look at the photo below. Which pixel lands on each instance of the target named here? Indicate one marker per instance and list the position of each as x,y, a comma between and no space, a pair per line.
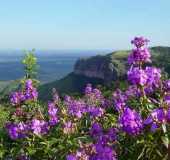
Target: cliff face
107,68
113,66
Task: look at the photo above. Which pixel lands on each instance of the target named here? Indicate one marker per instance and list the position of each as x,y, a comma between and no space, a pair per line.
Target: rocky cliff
108,68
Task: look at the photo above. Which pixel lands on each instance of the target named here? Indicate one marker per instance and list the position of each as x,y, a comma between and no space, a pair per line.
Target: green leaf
164,127
141,154
165,141
31,150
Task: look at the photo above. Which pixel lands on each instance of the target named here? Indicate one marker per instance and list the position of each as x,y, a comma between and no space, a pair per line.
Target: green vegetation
3,84
30,64
72,84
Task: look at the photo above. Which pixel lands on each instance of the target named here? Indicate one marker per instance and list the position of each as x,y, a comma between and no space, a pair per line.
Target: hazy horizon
72,51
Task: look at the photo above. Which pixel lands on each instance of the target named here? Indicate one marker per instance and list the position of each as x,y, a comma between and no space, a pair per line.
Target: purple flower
167,99
23,128
95,111
154,76
139,42
167,85
80,154
132,91
16,98
52,112
88,89
94,96
138,56
131,122
103,152
137,76
112,134
28,84
97,151
67,99
97,93
36,126
156,117
53,120
39,127
168,114
119,99
56,97
96,130
12,131
71,157
109,136
17,131
30,92
76,107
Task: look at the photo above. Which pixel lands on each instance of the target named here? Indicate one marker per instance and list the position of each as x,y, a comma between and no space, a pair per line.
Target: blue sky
82,24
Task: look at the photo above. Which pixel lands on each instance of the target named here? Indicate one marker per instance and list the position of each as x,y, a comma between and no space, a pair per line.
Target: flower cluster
137,76
150,76
39,127
52,112
167,85
16,98
94,96
17,131
119,99
131,121
27,125
93,104
140,54
101,149
139,42
132,91
29,93
145,82
22,130
160,115
75,107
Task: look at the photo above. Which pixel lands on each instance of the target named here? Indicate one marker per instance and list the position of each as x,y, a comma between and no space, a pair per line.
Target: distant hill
6,87
101,69
71,84
4,84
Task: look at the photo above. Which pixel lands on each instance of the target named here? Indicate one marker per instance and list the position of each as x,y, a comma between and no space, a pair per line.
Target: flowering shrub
131,124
